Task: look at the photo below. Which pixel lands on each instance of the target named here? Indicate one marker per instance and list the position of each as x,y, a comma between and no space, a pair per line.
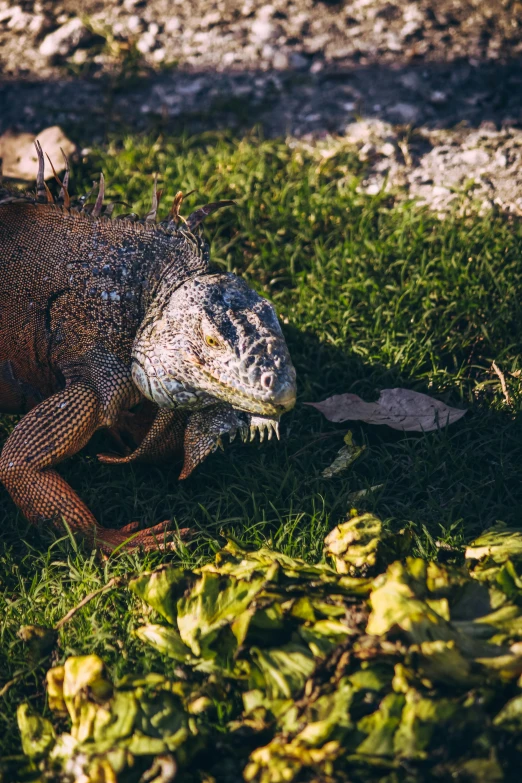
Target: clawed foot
130,537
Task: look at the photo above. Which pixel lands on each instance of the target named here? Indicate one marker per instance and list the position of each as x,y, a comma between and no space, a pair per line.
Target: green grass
373,292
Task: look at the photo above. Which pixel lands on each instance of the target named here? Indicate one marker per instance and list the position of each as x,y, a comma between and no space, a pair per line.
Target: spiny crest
172,222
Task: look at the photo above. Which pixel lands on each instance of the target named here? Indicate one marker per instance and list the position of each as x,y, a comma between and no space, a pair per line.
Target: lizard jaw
206,429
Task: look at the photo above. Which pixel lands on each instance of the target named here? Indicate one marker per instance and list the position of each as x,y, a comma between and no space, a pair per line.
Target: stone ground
429,92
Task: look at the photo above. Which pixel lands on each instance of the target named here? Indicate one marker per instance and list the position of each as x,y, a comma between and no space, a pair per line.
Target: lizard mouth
249,402
167,391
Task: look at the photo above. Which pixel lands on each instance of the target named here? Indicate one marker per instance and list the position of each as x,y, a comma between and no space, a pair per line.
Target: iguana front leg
191,435
58,428
164,439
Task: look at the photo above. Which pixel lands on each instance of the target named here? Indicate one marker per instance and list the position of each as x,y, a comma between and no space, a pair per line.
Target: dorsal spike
41,194
198,216
109,209
64,192
150,217
175,208
63,195
96,212
84,199
49,195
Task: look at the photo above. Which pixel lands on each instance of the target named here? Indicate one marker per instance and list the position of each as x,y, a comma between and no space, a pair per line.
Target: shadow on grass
448,485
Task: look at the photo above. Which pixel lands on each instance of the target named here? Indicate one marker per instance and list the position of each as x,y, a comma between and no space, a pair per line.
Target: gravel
444,75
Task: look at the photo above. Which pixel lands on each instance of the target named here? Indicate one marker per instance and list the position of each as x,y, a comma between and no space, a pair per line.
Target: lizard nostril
267,380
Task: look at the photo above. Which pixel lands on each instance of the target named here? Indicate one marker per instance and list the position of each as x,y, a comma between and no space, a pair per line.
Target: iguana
122,323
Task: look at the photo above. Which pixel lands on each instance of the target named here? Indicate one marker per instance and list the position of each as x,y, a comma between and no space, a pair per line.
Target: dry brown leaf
400,409
18,153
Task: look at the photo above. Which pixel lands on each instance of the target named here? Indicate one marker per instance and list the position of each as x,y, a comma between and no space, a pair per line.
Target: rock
65,39
172,25
438,97
147,41
18,154
475,157
280,61
298,62
210,20
411,81
405,113
263,30
135,24
409,29
159,55
387,149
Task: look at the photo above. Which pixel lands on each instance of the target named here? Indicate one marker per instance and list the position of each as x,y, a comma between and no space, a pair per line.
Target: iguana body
86,303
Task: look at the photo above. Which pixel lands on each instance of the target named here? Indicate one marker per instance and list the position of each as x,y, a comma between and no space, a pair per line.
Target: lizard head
214,338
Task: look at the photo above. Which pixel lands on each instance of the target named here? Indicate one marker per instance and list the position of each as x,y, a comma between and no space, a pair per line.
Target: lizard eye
212,341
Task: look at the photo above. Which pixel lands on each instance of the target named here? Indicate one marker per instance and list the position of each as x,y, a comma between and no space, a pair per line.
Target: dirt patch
444,76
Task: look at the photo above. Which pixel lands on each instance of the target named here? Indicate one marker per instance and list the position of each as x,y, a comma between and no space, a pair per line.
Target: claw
232,436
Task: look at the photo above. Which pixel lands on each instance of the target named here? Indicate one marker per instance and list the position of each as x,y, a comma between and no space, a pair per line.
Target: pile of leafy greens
372,666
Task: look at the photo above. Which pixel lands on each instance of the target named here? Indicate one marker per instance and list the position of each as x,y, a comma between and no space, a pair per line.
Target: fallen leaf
346,456
400,409
18,153
500,543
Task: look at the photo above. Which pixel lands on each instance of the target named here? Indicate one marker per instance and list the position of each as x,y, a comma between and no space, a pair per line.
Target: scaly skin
98,316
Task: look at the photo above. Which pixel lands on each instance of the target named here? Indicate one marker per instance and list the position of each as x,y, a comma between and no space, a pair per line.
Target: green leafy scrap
300,672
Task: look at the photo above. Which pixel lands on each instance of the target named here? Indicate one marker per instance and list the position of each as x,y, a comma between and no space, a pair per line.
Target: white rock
134,24
266,11
159,55
475,157
412,13
172,25
263,29
18,152
210,19
147,41
279,61
387,149
64,40
228,58
410,28
19,20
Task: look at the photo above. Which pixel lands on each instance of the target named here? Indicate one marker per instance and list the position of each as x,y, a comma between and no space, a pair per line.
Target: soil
429,92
